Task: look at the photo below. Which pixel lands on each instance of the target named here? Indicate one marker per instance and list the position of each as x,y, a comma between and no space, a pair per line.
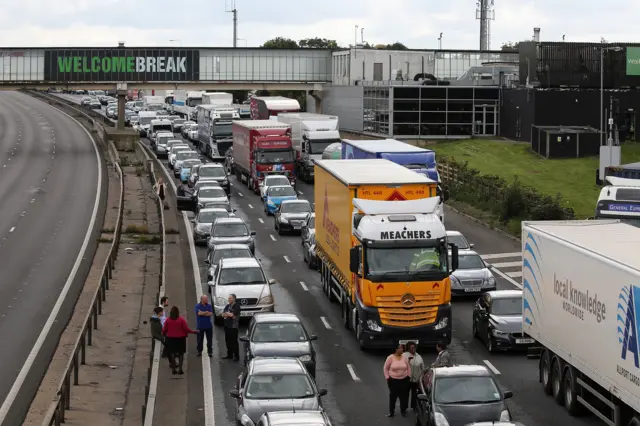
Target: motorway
357,389
51,178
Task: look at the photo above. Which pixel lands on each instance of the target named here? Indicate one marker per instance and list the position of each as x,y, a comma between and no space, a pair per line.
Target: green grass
574,179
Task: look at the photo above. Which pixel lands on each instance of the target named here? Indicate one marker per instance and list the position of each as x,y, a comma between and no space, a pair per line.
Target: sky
415,23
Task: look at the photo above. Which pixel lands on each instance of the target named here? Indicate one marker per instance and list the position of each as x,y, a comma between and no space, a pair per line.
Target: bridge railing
55,415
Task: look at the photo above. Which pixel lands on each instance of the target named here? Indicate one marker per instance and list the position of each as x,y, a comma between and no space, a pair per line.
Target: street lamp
602,49
440,42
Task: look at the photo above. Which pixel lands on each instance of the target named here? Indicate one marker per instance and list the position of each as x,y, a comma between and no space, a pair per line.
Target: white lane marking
207,381
506,264
491,367
325,323
304,286
300,193
12,229
240,194
46,329
286,259
260,220
506,277
517,274
500,255
272,237
352,371
250,206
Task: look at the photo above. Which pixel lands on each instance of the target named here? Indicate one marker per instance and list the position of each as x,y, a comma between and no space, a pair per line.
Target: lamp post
440,42
602,49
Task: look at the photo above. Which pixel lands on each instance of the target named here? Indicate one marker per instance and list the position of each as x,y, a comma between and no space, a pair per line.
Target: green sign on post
633,60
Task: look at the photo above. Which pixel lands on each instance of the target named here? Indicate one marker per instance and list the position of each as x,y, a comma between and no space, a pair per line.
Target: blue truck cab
420,160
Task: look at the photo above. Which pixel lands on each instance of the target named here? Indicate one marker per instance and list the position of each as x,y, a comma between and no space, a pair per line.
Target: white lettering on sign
140,64
161,64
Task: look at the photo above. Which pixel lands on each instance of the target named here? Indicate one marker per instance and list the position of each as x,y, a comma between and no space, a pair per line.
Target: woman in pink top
397,372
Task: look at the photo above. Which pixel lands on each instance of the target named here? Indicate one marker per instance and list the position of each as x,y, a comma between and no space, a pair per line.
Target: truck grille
423,312
475,283
249,302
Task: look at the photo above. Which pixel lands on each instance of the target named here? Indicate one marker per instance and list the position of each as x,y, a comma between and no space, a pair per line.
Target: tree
281,43
510,47
318,43
396,46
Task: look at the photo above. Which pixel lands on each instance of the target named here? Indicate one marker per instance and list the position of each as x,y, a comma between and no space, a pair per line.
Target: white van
158,125
144,121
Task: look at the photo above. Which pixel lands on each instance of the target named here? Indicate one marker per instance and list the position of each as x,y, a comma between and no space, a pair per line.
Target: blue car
276,195
185,170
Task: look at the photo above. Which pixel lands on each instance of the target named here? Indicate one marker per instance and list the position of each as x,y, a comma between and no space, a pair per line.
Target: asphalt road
49,182
357,390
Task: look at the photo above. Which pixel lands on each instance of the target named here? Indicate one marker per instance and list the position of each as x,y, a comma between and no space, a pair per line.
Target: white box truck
581,302
185,103
217,98
311,134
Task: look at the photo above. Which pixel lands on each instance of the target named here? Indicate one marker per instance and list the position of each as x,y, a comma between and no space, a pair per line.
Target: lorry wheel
556,382
570,392
359,336
545,372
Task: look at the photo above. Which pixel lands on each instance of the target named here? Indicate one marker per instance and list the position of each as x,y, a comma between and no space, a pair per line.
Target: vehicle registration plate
472,289
246,313
404,342
297,228
524,341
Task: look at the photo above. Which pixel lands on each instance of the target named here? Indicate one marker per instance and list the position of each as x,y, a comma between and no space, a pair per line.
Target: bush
509,201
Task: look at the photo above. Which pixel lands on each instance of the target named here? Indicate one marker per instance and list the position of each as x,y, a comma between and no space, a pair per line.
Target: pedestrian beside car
204,313
417,368
231,316
164,304
161,191
397,371
444,358
175,331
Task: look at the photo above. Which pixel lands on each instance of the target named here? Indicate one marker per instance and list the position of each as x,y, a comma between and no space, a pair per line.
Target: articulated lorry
581,303
185,103
215,134
262,148
311,134
420,160
383,252
264,107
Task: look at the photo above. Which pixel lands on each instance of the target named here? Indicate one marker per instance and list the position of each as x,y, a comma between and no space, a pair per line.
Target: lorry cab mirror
454,257
354,260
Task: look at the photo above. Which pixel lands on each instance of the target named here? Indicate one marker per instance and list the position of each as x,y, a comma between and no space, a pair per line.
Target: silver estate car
274,384
472,276
224,251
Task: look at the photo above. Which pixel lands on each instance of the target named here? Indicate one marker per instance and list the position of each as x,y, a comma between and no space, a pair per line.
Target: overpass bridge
164,68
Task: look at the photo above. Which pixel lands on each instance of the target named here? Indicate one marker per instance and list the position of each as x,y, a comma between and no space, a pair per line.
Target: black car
291,215
308,227
497,320
213,172
279,335
457,396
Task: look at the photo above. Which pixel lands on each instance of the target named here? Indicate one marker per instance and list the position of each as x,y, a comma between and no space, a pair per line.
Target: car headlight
498,333
220,301
373,325
455,282
270,203
489,282
246,420
305,358
284,219
505,416
442,323
440,419
266,300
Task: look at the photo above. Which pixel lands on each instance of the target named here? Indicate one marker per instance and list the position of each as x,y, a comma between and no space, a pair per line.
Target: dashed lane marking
304,286
272,237
12,229
507,265
491,367
325,323
250,206
240,194
500,255
352,371
260,220
286,259
300,193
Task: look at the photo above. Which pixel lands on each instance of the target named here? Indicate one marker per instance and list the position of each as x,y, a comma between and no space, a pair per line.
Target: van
159,125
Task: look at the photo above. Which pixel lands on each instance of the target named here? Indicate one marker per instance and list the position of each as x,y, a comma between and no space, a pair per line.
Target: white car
456,237
186,126
274,180
179,159
174,151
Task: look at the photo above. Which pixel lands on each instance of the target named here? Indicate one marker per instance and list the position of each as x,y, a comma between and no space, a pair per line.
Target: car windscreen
470,261
187,155
295,208
506,306
187,164
281,191
282,332
212,193
176,149
210,217
458,240
273,157
238,276
218,205
211,172
466,390
277,180
230,230
230,254
288,386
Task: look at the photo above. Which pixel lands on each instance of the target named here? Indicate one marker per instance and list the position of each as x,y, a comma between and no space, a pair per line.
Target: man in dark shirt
204,312
231,316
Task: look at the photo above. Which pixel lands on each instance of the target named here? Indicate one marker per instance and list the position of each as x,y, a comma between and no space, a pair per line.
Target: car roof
276,176
212,210
229,220
467,253
301,418
276,317
269,366
200,188
296,202
462,370
280,186
451,233
219,247
240,262
504,294
215,165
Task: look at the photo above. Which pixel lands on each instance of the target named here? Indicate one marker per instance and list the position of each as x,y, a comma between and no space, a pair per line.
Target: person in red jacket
176,330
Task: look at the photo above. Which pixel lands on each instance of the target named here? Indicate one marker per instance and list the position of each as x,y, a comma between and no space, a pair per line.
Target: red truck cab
262,148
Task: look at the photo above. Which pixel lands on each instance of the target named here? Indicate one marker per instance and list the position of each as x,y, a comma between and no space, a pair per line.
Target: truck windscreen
319,145
405,260
222,128
274,156
629,220
194,102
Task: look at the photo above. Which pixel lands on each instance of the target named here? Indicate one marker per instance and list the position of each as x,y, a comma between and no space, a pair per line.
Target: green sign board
633,60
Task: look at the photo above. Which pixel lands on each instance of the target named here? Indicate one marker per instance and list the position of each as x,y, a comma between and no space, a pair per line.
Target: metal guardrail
55,415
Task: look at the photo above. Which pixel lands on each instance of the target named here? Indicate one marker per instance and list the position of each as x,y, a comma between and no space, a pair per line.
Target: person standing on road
155,323
161,191
176,331
164,304
444,358
397,371
231,316
204,312
417,368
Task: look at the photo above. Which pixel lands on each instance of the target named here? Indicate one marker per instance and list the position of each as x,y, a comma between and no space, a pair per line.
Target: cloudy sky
416,23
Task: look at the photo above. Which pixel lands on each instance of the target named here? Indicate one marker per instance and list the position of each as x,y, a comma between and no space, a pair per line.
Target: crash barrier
55,415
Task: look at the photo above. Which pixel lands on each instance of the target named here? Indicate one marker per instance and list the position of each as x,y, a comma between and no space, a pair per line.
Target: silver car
233,230
175,149
275,384
186,126
210,194
309,418
203,222
472,276
273,180
309,251
224,251
456,238
245,278
291,215
179,159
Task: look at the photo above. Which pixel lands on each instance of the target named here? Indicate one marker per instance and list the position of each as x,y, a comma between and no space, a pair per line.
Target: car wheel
279,230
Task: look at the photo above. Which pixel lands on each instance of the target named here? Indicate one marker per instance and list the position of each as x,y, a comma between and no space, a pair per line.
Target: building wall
346,102
354,65
517,113
21,64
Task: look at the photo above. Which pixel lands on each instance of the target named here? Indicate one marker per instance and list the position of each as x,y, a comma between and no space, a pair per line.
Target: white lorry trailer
311,134
581,303
185,103
217,98
153,103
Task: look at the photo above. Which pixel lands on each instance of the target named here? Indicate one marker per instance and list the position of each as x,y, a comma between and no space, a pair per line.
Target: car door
247,345
187,201
483,315
423,406
305,230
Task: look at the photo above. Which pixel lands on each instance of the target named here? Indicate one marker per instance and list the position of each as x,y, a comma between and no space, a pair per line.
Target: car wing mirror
507,394
322,392
253,233
272,281
244,339
313,337
471,245
235,394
